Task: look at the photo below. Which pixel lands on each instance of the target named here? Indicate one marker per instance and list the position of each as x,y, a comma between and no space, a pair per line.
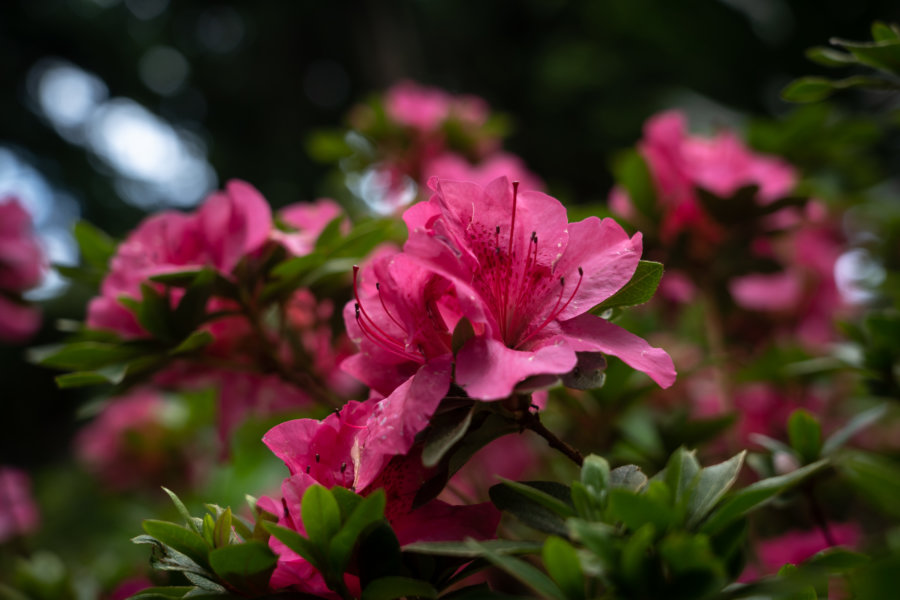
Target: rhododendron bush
447,382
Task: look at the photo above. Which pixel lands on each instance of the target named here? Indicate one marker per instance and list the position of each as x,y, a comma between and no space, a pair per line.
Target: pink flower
345,449
18,511
526,278
136,443
803,299
309,219
454,166
229,225
22,261
426,108
797,546
721,164
18,321
22,265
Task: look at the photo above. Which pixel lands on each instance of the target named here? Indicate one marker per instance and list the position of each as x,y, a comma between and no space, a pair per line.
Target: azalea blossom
526,279
19,514
138,442
229,225
453,166
680,163
22,266
427,108
346,449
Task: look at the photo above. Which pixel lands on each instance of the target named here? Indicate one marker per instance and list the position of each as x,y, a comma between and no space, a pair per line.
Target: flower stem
818,516
532,421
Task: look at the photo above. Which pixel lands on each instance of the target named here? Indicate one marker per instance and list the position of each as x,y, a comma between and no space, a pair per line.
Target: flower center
518,289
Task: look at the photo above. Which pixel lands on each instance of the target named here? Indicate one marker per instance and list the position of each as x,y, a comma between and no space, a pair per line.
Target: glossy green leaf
390,588
830,57
295,542
680,474
533,499
711,485
366,514
739,503
807,89
153,593
347,500
113,374
637,509
321,515
882,32
154,313
805,435
188,542
246,567
191,522
222,530
193,342
883,54
639,289
465,550
96,247
595,475
446,429
563,565
86,356
837,560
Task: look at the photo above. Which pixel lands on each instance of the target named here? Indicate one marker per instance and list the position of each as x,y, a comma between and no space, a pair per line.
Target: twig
532,421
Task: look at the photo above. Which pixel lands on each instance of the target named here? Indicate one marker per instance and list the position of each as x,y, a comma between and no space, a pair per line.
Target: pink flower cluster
503,265
436,134
680,163
18,512
138,442
232,228
22,265
355,448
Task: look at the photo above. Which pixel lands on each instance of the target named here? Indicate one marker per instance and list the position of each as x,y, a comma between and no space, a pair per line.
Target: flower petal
592,334
488,370
395,421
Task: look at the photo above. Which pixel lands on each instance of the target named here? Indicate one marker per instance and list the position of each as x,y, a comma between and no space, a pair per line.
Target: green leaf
193,342
190,521
347,501
882,32
465,550
552,502
86,356
166,558
153,593
367,513
96,247
876,477
680,474
754,495
154,313
563,565
837,560
638,290
628,477
295,542
181,279
522,571
805,435
712,483
595,475
188,542
858,423
637,509
389,588
445,431
807,89
222,531
830,57
330,235
114,374
192,307
321,515
636,554
883,54
246,567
